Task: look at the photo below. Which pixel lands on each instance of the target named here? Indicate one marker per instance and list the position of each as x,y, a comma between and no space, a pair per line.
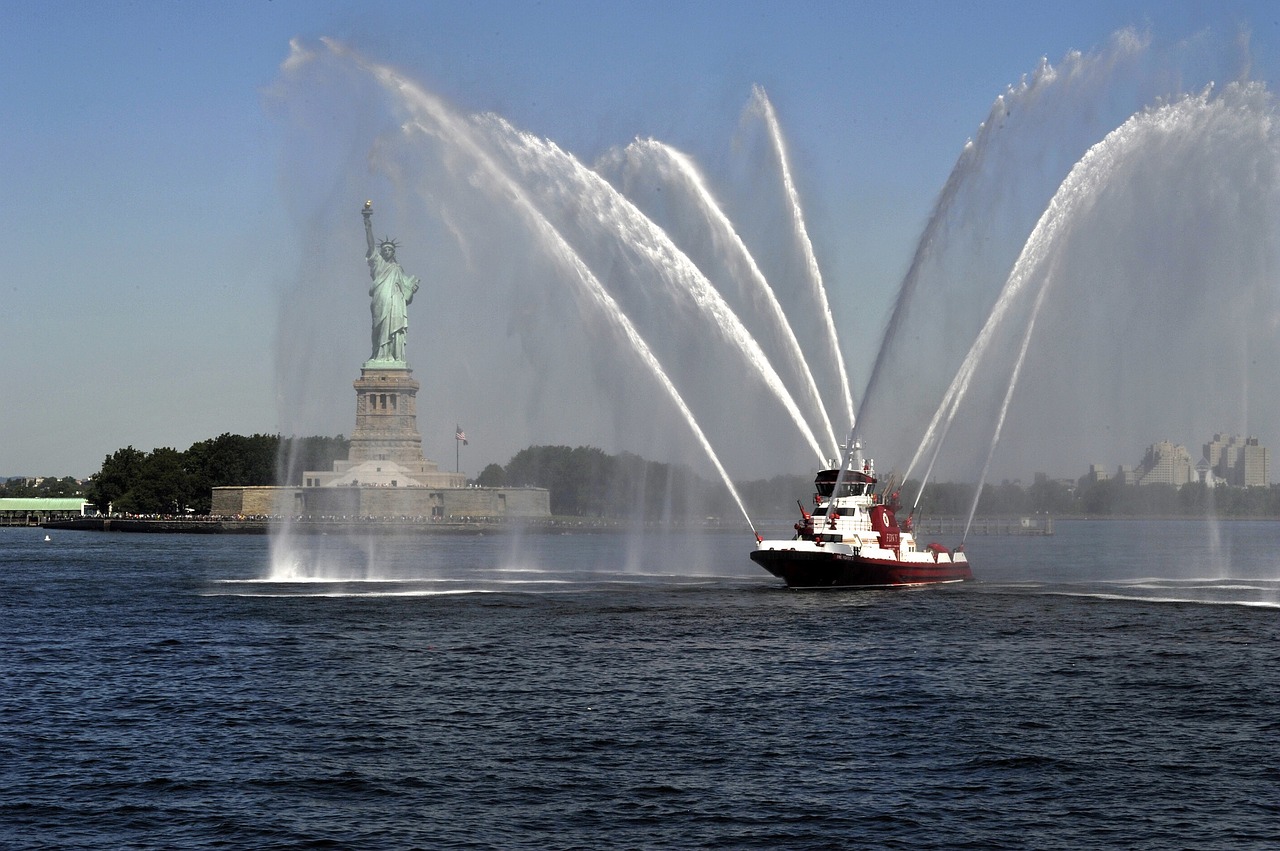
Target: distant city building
1238,461
1228,460
1166,463
1255,464
1097,473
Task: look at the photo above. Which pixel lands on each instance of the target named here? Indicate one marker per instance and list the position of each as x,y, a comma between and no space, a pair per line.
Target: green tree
161,486
776,497
1047,496
230,459
546,467
47,487
589,474
109,484
299,454
1194,499
65,486
167,481
1098,499
945,499
492,476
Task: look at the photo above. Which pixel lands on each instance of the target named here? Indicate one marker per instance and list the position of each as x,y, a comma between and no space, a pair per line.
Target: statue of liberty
391,293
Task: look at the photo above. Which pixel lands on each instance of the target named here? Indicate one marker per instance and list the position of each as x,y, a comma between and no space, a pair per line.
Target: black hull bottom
801,569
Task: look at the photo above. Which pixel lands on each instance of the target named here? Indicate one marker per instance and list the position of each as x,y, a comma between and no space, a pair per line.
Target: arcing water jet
713,242
761,102
1205,171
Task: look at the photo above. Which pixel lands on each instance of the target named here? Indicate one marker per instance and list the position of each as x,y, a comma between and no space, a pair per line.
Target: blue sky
146,242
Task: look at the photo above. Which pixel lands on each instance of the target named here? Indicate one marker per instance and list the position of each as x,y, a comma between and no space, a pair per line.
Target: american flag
460,435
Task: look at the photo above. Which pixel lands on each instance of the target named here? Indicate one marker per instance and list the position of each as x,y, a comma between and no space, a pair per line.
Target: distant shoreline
1001,527
263,526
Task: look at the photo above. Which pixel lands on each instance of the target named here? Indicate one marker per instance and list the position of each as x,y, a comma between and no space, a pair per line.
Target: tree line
166,481
1109,498
587,482
46,488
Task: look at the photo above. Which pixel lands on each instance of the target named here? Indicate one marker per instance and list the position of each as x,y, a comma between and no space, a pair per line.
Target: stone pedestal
386,448
386,418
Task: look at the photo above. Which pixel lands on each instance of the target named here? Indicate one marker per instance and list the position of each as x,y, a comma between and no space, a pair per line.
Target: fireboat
852,538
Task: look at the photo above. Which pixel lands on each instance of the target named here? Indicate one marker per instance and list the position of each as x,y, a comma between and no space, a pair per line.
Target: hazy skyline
154,232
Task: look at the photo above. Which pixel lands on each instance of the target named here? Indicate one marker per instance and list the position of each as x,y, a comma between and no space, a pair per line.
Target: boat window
855,484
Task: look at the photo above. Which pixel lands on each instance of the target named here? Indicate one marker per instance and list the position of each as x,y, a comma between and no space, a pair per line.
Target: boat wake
1234,591
525,582
329,591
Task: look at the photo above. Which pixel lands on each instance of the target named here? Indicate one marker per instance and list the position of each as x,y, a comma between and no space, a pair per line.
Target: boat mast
852,455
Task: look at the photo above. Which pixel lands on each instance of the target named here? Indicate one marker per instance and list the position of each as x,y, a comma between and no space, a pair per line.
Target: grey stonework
385,475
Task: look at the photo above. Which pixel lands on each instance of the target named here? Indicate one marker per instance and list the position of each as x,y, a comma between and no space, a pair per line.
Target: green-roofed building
32,511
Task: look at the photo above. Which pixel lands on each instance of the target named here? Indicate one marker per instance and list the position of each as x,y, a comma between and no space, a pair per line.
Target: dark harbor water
1116,685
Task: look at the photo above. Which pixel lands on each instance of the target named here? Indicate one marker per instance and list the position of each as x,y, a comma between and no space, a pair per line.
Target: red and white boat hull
852,538
806,564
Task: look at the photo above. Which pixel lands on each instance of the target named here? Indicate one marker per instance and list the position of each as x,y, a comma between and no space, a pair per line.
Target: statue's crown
386,240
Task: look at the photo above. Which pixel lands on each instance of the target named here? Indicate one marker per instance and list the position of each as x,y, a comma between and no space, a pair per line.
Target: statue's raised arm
367,212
